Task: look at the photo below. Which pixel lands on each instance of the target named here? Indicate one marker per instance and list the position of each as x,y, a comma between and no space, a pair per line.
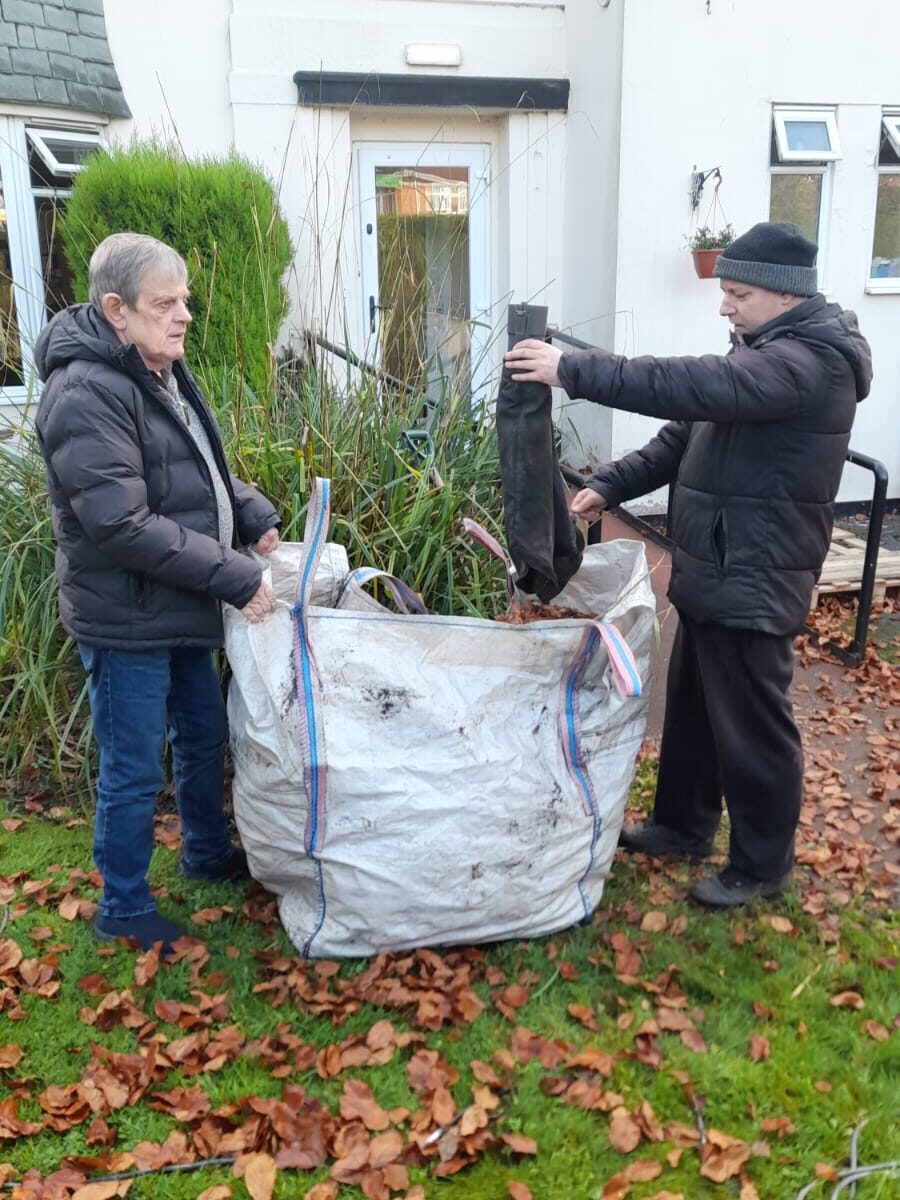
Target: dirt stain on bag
390,701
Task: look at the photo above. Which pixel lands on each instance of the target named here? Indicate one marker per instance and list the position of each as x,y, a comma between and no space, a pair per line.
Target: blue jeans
137,699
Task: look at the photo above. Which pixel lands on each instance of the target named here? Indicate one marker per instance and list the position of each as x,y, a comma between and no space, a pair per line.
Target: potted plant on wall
706,245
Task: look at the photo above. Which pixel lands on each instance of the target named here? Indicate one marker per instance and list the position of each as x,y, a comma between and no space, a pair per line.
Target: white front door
425,252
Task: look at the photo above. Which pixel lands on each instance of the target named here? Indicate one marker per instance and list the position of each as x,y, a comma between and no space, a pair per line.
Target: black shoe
649,838
146,930
232,866
728,888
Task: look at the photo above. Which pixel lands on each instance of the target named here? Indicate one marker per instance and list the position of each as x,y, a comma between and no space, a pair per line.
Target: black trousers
729,731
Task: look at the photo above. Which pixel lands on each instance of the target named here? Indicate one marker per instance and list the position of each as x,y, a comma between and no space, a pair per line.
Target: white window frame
17,134
38,138
874,284
24,254
475,156
781,115
826,170
891,122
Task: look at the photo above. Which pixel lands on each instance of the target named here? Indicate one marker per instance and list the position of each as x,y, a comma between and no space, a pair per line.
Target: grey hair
122,260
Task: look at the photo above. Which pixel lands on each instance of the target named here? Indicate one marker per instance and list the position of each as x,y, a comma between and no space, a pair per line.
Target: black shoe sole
697,854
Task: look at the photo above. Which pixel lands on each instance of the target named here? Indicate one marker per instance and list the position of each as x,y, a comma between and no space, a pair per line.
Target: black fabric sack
543,542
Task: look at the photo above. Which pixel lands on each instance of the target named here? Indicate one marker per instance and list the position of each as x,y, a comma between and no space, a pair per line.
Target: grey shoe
728,888
647,837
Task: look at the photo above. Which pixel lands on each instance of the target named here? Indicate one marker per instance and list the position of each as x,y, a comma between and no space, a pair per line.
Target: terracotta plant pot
703,262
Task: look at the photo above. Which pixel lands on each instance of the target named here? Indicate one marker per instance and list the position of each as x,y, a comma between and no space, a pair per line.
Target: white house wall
591,208
241,91
698,91
504,37
174,59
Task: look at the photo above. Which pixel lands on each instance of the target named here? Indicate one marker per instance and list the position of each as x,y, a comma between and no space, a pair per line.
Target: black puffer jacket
138,561
755,446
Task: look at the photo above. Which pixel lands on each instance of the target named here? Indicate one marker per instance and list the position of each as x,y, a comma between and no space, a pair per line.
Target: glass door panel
425,265
423,276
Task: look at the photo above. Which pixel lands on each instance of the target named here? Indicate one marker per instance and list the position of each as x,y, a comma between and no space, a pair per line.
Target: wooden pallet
842,570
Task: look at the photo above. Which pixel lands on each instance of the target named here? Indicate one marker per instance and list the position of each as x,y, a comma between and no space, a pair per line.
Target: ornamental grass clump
42,693
404,474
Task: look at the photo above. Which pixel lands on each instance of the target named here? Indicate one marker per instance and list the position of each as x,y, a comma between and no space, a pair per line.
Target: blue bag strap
306,681
627,683
318,512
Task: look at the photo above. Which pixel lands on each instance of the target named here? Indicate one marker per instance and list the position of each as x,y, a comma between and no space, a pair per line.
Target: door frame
474,155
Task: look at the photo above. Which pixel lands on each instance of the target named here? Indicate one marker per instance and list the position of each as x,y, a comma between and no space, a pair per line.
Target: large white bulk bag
403,780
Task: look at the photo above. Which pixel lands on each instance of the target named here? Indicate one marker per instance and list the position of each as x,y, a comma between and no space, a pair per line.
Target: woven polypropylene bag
405,780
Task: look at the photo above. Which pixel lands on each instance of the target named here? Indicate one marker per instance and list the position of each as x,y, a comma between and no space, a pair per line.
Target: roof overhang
341,89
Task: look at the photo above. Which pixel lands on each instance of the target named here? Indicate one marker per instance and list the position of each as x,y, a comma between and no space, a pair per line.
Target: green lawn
648,966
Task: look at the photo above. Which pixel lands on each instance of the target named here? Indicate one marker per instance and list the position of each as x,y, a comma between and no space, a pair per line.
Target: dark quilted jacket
755,446
138,560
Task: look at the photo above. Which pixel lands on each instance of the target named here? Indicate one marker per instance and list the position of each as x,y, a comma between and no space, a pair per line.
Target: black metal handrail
360,363
855,654
857,650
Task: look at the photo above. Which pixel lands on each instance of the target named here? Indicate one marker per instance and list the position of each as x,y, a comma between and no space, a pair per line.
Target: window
804,144
806,134
54,158
884,271
37,167
10,349
62,152
891,125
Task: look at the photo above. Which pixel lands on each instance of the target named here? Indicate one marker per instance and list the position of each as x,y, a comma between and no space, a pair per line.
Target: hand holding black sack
543,541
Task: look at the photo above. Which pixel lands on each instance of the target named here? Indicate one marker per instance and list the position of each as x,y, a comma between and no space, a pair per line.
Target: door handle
373,308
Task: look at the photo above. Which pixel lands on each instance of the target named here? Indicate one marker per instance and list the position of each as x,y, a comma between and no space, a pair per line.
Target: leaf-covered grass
769,972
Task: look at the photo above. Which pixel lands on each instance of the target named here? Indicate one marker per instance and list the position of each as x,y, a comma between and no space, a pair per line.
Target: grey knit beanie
772,256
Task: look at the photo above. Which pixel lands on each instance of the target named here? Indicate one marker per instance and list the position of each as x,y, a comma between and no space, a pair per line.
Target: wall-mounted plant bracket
698,181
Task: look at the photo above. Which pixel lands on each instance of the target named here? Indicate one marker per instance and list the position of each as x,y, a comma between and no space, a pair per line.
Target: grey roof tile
64,66
113,102
82,95
60,18
52,39
17,87
56,52
30,62
51,91
87,6
89,48
91,25
25,11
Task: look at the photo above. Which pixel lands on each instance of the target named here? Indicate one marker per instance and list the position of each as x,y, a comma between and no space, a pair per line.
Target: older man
754,449
147,521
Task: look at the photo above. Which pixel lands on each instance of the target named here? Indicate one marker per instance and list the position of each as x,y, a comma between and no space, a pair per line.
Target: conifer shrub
223,218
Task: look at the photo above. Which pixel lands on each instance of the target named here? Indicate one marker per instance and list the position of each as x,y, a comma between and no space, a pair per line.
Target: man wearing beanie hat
754,447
